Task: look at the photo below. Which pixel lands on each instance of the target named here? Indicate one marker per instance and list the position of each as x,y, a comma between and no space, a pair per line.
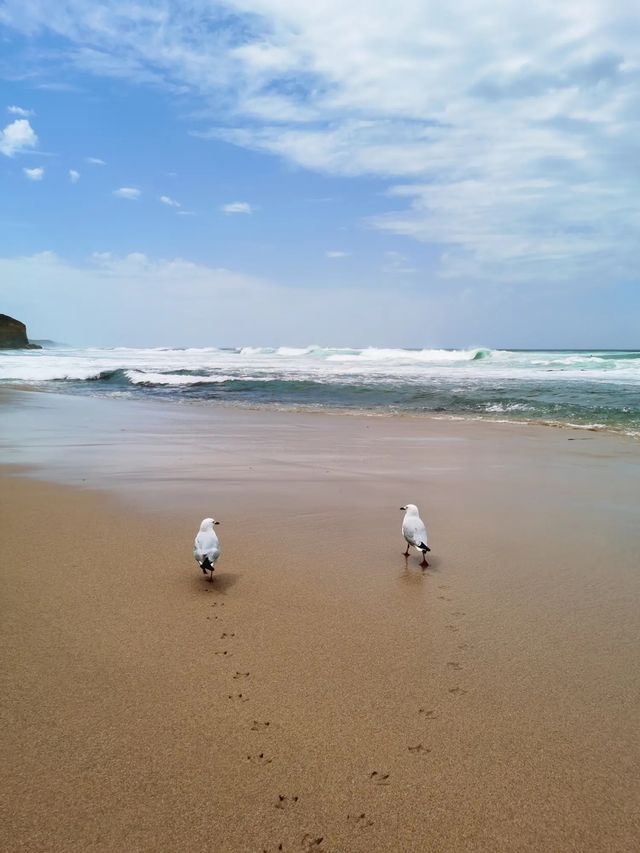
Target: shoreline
337,411
497,689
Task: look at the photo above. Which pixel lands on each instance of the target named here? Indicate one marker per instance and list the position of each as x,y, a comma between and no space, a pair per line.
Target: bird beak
216,522
403,509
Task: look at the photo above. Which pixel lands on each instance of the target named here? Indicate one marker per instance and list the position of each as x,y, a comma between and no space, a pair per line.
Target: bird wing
206,545
414,531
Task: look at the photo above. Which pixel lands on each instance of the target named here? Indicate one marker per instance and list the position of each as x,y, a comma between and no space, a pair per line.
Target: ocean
592,389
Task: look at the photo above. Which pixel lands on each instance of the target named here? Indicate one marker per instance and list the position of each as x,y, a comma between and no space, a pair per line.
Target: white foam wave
49,373
433,356
320,364
507,407
139,377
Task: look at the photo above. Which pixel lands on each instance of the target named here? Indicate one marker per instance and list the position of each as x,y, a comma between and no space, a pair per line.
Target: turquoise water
596,389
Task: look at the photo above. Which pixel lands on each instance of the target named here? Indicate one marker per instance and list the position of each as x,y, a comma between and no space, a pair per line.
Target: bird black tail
205,565
424,548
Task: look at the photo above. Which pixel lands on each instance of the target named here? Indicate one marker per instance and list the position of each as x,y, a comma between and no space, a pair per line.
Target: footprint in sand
241,675
457,691
238,697
379,778
444,586
259,726
260,759
428,713
464,646
285,802
418,748
453,628
360,821
311,842
221,652
218,604
444,598
453,664
226,636
458,613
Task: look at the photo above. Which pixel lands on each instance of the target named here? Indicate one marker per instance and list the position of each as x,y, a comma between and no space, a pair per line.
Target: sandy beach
321,694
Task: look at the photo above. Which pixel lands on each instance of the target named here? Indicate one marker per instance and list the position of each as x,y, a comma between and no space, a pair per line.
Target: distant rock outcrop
13,334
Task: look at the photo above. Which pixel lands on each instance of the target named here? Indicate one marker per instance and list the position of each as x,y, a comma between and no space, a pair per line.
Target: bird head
410,509
207,524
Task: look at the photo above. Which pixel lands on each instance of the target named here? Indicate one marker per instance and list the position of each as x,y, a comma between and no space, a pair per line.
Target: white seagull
206,548
414,532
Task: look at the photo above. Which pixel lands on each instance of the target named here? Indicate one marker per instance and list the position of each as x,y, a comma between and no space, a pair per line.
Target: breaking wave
588,387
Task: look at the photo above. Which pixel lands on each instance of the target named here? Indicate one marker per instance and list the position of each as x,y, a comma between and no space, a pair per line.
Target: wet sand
321,687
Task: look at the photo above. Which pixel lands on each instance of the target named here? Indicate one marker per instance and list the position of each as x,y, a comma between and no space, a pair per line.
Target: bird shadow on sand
434,566
222,582
413,572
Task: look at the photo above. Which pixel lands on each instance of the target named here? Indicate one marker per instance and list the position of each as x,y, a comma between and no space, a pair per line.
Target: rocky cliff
13,334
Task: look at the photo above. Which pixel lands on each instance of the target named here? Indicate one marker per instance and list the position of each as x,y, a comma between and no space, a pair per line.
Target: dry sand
145,709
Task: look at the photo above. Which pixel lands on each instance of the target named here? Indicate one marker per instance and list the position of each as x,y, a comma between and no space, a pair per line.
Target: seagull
415,532
206,548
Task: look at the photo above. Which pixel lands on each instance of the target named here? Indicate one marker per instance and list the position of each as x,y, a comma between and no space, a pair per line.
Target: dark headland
13,334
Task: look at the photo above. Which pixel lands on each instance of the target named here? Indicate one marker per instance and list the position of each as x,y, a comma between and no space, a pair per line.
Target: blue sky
270,172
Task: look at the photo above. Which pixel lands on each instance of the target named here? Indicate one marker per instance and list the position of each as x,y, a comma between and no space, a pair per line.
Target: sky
273,172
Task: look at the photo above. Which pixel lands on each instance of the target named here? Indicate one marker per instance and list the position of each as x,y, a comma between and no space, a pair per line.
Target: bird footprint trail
429,714
310,842
259,759
418,748
238,697
359,822
284,802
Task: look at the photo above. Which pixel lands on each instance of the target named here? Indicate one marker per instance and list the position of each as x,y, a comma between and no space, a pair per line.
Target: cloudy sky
404,173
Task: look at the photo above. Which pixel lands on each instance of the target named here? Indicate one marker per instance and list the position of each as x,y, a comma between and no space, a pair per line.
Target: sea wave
141,377
588,387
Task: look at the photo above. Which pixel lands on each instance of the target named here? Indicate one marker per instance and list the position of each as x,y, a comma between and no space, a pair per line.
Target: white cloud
237,207
95,161
508,132
185,213
170,202
20,111
74,176
36,174
396,262
81,302
17,137
336,253
127,192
